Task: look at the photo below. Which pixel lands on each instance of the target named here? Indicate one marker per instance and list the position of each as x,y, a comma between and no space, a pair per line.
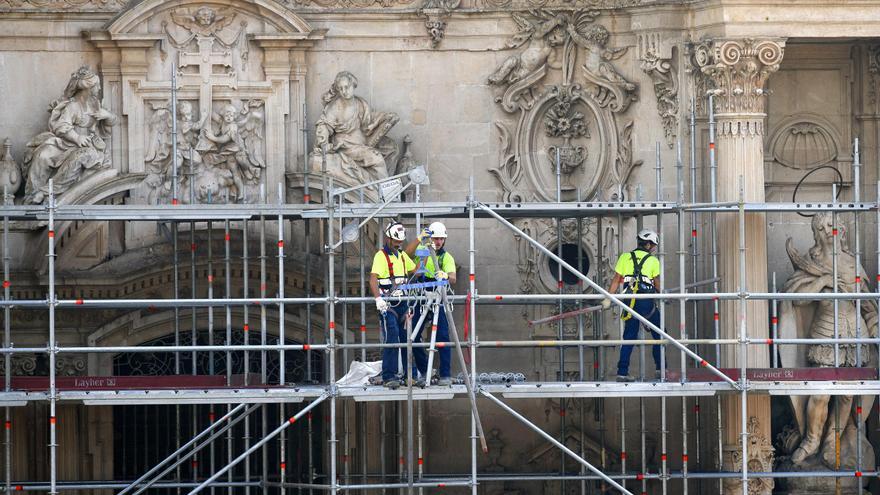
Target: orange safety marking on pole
704,363
192,247
623,456
562,412
498,298
878,277
694,233
711,146
9,425
79,302
280,244
433,328
774,320
499,344
51,234
715,316
684,457
52,420
175,202
697,409
858,474
640,476
210,278
262,286
363,328
306,347
332,325
834,231
421,461
211,417
283,466
471,276
247,327
309,416
292,420
195,463
596,365
663,457
6,284
769,341
19,488
858,409
401,461
226,237
307,198
441,344
441,485
344,458
559,284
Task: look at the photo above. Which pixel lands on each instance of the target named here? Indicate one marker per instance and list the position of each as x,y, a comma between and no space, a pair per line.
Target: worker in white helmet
446,271
391,266
639,272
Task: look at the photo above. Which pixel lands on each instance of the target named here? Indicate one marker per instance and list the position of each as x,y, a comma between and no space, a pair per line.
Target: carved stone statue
813,444
540,38
612,88
352,136
221,157
76,142
10,174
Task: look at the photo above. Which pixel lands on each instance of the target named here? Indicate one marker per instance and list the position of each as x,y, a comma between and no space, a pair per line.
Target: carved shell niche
804,142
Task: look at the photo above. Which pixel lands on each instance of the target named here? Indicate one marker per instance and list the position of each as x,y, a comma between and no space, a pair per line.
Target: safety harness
392,278
637,282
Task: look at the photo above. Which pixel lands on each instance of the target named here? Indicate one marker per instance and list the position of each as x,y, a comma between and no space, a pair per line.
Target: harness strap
390,270
637,276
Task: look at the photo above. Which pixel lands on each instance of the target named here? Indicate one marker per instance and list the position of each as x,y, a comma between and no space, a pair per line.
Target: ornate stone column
739,70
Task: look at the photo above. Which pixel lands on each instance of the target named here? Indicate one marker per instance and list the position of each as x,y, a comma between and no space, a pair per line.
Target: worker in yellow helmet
446,271
391,266
639,272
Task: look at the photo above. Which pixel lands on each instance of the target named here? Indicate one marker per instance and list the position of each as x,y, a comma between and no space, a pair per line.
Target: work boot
625,378
416,382
444,381
392,384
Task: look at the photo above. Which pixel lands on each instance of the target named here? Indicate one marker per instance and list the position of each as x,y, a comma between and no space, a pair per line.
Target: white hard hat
437,230
396,231
649,235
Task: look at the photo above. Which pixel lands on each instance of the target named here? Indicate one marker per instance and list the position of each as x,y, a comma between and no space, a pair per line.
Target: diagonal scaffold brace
614,298
181,454
253,448
557,443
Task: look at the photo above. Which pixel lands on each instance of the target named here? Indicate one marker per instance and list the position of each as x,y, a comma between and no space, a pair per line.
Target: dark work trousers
394,329
646,308
420,355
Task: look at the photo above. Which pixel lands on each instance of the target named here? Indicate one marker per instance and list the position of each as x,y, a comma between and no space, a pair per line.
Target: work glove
381,305
424,235
606,303
441,275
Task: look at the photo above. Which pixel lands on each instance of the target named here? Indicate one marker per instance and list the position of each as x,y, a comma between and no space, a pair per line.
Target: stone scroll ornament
562,114
811,443
76,144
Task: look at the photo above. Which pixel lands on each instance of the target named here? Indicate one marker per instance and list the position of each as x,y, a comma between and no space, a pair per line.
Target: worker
639,272
437,233
391,266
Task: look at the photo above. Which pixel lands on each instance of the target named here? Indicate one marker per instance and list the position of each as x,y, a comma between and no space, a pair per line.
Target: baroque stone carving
76,143
37,365
665,79
760,452
578,116
351,136
804,142
700,83
96,5
739,69
873,53
10,173
218,156
436,12
812,444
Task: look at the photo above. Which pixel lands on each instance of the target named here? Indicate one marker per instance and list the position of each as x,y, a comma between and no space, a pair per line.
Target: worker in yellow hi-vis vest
639,272
391,267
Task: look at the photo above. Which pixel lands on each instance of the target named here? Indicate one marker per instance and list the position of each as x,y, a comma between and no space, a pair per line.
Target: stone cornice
739,68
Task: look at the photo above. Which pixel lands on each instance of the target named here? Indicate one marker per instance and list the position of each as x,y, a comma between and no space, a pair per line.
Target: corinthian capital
739,69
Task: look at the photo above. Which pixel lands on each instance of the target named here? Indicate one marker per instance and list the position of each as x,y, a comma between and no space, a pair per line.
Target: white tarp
360,372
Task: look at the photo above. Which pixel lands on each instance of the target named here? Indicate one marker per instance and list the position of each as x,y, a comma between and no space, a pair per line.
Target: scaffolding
236,401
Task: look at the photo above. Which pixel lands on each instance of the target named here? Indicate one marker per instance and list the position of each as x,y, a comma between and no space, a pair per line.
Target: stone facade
293,92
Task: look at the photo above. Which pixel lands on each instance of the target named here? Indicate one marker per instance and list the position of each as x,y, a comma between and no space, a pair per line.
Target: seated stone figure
77,140
350,134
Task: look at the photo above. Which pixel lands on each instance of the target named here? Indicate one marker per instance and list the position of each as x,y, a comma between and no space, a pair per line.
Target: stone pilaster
740,69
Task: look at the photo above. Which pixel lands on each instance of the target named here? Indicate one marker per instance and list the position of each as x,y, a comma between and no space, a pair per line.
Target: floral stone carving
665,79
77,141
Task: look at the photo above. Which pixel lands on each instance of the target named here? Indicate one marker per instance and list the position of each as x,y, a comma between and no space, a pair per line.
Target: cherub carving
237,145
541,38
613,89
204,22
159,148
